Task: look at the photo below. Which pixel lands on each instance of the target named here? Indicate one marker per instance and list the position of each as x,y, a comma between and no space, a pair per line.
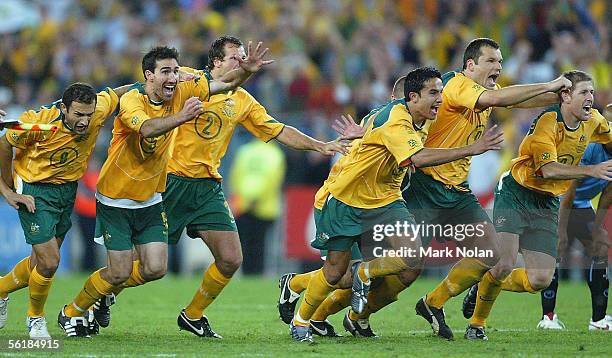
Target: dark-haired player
42,187
129,209
367,185
441,193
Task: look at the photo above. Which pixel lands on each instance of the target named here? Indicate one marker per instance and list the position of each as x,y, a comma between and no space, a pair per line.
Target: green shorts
339,226
196,204
432,202
533,216
54,203
123,228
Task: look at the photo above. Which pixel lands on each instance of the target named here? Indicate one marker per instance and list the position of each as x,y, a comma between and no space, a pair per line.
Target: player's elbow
548,172
488,99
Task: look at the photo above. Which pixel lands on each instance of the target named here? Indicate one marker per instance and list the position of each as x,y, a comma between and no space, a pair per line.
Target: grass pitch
245,314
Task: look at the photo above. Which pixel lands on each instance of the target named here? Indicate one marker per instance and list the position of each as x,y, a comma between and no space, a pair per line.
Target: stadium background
332,57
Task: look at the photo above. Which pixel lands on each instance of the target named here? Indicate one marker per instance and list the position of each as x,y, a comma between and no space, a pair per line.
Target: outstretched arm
556,170
490,140
512,95
252,63
155,127
295,139
542,100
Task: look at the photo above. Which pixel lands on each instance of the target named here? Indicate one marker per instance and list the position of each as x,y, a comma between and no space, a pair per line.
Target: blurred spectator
256,180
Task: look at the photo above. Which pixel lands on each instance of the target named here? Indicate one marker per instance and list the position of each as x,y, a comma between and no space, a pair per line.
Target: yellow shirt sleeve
259,122
542,141
107,102
602,132
199,87
463,92
23,139
134,114
401,140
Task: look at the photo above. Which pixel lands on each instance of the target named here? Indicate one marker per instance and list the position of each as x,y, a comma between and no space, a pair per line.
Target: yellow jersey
457,124
136,166
550,140
61,156
371,174
200,144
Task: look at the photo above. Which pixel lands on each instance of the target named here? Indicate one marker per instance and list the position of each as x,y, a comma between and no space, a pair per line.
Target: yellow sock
462,276
334,303
95,288
212,284
135,278
381,266
317,291
16,279
39,290
488,290
299,282
385,294
517,281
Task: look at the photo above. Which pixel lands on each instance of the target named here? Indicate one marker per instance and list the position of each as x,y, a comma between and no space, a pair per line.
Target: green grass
144,323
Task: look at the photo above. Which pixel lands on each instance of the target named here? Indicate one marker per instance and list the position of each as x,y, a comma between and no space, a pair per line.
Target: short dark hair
473,49
398,87
217,52
415,79
158,53
576,76
79,92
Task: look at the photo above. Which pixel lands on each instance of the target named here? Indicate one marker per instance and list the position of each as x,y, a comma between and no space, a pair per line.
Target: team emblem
34,228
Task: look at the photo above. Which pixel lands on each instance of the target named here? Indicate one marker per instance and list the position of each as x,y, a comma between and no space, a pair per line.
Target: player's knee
333,274
155,271
501,270
540,280
116,278
229,265
407,277
47,266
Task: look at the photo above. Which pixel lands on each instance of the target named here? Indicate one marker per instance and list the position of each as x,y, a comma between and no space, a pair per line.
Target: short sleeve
23,139
259,122
542,141
199,87
132,113
400,138
461,91
602,133
107,102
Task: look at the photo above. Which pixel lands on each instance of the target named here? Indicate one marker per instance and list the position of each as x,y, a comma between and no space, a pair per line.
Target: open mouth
587,108
494,78
80,128
434,109
168,90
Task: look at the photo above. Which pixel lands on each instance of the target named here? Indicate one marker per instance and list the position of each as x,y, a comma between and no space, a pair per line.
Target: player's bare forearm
541,100
6,160
155,127
295,139
428,157
120,91
605,201
510,96
229,81
558,171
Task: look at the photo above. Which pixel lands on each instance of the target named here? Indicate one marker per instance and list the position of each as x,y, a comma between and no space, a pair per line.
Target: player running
129,209
366,189
440,194
42,187
526,205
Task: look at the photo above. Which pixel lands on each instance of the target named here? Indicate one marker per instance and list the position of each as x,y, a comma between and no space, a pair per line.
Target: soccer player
194,197
578,220
367,187
129,209
383,292
526,200
440,194
42,187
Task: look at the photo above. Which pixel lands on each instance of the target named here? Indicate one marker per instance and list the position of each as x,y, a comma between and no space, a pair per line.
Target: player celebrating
440,194
47,167
526,200
383,292
368,186
578,220
194,198
129,203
